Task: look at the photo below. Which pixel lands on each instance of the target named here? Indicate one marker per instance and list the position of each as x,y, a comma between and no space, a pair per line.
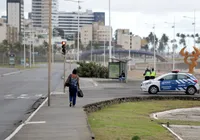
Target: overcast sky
133,14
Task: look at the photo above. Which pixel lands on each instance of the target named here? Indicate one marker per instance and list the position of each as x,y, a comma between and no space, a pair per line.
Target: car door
182,82
168,83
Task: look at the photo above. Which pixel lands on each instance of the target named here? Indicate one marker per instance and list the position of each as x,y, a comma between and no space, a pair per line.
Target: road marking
172,132
9,96
39,122
11,73
28,120
58,93
23,96
38,95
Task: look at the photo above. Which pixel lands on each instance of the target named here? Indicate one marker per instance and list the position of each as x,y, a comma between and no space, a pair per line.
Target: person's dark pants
147,77
152,77
72,95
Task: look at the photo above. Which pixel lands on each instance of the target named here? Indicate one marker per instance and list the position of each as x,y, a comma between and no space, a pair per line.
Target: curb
89,128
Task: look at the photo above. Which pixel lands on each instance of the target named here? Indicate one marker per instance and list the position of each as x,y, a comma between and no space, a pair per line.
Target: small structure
116,68
193,58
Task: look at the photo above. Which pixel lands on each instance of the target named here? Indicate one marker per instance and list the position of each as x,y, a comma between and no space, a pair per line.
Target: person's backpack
73,82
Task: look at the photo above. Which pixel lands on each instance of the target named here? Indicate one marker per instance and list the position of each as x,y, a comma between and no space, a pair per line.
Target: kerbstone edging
100,105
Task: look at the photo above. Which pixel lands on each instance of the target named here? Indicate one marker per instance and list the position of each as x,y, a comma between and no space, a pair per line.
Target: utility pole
24,49
91,51
49,53
110,37
64,56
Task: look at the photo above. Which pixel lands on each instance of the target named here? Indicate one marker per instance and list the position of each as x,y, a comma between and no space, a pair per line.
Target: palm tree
182,40
150,40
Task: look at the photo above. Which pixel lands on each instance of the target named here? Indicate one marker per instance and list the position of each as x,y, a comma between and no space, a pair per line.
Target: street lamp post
194,24
174,40
49,52
129,52
24,48
77,1
110,37
154,46
104,50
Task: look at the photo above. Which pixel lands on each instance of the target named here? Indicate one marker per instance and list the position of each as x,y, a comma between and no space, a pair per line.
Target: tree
59,32
163,43
150,39
182,40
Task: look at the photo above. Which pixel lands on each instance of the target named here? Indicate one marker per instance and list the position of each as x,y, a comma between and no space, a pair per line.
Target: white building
127,40
8,32
68,21
119,35
40,13
130,42
96,33
86,34
15,14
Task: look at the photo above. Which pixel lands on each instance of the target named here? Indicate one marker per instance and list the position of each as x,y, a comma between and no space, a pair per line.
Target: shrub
136,138
92,70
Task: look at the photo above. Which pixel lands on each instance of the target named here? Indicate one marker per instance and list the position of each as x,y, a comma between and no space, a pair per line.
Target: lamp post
49,51
174,40
110,36
129,52
154,46
24,48
78,1
194,24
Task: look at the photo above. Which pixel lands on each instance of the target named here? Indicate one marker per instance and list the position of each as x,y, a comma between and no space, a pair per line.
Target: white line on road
38,95
172,132
23,96
28,120
39,122
11,73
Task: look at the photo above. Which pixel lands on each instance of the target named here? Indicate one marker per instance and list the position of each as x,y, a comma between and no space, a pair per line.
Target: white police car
172,82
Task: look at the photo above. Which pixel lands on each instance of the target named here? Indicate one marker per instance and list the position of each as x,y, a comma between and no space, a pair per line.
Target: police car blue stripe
177,82
182,81
191,81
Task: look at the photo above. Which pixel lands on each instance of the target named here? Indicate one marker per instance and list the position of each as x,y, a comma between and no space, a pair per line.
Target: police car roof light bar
175,71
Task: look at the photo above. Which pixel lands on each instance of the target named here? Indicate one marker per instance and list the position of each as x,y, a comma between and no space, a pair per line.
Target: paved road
7,70
20,91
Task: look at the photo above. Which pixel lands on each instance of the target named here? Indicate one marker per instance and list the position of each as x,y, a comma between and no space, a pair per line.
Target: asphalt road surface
20,91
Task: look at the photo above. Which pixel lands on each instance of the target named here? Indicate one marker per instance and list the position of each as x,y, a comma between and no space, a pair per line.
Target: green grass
123,121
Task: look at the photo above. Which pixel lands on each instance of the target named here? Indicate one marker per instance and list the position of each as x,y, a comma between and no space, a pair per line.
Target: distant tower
15,14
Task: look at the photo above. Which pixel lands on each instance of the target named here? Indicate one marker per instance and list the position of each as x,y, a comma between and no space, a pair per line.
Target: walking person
73,84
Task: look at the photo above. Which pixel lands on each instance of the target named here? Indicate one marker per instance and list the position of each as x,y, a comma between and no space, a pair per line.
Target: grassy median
124,121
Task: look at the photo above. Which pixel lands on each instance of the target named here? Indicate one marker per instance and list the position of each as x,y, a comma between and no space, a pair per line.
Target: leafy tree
163,43
150,39
182,40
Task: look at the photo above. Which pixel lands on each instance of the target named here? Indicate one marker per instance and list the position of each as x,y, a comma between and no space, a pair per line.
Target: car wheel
153,90
191,90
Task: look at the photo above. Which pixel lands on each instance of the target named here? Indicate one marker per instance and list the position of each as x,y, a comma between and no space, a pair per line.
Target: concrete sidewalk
57,122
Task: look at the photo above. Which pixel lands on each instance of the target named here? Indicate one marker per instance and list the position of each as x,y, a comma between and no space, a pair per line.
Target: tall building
40,13
8,32
68,21
97,33
15,14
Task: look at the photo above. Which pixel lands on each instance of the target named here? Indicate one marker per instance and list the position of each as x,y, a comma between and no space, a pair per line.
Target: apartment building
15,14
96,32
68,21
8,32
40,13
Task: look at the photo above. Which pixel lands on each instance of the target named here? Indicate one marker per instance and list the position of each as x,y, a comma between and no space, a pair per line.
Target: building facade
96,32
68,21
15,14
8,32
40,13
